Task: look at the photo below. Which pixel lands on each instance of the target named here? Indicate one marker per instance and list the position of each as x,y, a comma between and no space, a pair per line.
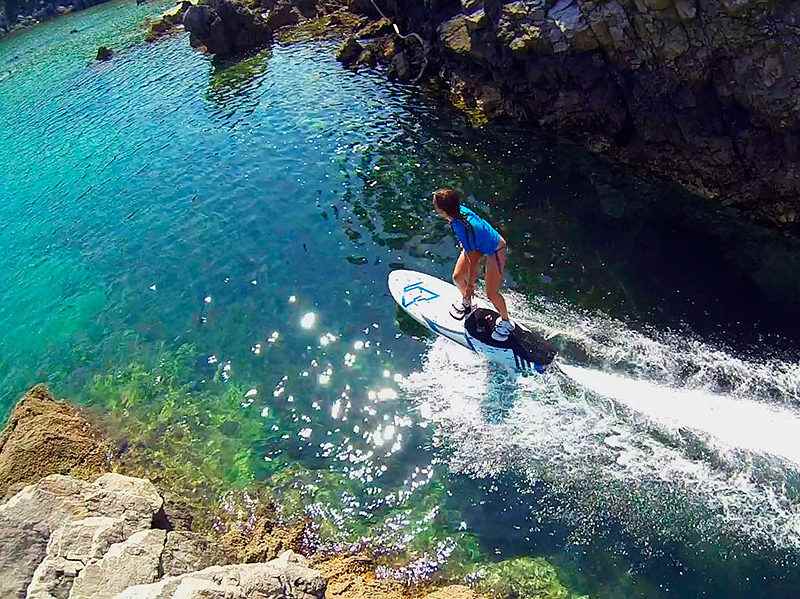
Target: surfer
479,241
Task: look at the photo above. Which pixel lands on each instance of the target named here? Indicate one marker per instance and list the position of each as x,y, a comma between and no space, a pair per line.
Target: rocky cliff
107,535
704,92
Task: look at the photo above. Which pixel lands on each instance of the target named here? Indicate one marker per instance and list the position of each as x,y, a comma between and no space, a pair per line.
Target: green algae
200,433
522,578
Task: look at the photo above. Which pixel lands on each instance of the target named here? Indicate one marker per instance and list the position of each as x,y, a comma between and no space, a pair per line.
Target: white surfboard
429,300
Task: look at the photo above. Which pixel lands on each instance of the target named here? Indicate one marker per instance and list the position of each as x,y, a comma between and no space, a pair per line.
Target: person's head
447,203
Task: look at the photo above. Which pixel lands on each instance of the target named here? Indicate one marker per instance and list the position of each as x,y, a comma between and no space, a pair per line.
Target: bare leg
495,265
466,285
460,277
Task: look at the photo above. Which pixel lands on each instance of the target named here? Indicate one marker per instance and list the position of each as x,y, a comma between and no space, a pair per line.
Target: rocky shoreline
702,93
74,523
26,13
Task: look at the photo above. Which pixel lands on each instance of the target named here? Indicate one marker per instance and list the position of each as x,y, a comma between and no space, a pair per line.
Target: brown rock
375,29
349,52
44,436
455,591
353,577
259,539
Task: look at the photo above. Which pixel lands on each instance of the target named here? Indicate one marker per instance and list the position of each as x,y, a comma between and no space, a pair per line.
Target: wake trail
706,452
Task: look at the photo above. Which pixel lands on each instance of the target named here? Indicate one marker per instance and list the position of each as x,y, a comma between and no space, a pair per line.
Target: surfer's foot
502,329
460,311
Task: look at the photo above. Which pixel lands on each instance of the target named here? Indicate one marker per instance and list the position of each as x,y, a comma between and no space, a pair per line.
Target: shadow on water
234,84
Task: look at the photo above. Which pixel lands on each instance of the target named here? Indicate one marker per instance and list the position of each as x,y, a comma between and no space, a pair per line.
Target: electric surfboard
429,301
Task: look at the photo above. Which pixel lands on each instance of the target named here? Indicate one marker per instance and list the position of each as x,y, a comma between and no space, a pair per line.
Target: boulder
70,549
287,577
44,436
132,562
51,530
382,26
225,27
135,500
104,53
186,552
400,68
349,52
22,547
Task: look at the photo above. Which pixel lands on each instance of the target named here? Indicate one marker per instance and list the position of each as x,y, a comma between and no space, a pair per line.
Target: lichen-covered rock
352,577
225,27
287,577
44,436
375,29
168,21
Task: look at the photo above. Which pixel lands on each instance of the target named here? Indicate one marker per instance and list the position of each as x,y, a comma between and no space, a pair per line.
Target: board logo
416,293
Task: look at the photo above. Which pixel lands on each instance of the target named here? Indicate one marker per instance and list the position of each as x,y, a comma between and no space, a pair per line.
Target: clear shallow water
212,241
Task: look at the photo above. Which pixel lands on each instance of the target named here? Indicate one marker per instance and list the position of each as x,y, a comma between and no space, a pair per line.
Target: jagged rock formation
63,537
700,91
44,436
225,27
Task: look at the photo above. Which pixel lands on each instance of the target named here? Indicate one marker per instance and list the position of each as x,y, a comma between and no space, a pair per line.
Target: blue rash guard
481,238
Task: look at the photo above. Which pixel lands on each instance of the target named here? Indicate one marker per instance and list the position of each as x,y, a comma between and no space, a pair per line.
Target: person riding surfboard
479,242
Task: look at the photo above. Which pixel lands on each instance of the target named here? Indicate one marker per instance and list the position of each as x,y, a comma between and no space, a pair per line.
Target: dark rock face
701,91
225,27
15,14
349,52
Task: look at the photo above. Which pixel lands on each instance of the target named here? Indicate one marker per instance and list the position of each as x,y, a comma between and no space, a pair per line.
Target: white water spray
673,439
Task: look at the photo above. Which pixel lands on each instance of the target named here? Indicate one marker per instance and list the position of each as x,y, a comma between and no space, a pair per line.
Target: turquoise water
229,228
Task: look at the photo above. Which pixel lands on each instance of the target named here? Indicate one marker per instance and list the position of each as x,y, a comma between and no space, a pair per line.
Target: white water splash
650,441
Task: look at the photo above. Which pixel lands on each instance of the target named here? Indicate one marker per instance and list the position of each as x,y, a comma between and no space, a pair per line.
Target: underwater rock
522,577
453,592
225,27
104,53
44,436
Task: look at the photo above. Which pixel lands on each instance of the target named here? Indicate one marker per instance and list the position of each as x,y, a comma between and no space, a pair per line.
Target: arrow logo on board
415,293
